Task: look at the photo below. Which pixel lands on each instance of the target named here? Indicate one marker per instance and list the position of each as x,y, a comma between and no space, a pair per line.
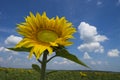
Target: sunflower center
47,36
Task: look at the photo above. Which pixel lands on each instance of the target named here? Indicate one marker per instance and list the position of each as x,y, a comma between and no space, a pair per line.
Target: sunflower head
42,33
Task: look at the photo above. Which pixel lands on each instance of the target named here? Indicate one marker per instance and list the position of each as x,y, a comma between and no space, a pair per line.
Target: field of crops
29,74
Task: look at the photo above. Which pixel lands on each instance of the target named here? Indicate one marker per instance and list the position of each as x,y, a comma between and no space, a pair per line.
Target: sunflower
42,33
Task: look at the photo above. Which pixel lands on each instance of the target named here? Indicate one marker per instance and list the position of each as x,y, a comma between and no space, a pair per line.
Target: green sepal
21,49
36,67
65,54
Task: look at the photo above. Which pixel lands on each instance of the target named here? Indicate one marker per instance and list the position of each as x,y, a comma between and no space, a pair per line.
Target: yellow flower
83,74
41,32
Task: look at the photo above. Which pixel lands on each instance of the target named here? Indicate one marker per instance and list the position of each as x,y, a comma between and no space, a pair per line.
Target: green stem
51,58
43,65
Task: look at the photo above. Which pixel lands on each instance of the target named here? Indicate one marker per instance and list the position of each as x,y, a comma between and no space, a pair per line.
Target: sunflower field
30,74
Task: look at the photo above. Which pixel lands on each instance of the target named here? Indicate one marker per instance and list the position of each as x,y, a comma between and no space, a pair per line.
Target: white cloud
12,40
87,32
91,47
63,62
99,62
100,38
5,50
113,53
91,38
86,56
93,62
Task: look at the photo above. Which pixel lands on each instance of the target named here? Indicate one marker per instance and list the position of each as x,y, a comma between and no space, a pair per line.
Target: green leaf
36,67
21,49
65,54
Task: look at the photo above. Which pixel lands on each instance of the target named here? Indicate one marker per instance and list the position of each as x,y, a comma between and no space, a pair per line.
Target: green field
29,74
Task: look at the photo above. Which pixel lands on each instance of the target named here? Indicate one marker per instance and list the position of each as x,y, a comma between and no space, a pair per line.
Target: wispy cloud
113,53
63,62
86,56
2,29
89,0
91,38
98,62
118,3
5,50
99,3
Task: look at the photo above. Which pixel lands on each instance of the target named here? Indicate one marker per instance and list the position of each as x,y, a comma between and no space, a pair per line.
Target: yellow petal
50,50
53,44
35,25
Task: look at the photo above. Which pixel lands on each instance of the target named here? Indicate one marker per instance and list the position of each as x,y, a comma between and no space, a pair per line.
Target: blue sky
97,37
